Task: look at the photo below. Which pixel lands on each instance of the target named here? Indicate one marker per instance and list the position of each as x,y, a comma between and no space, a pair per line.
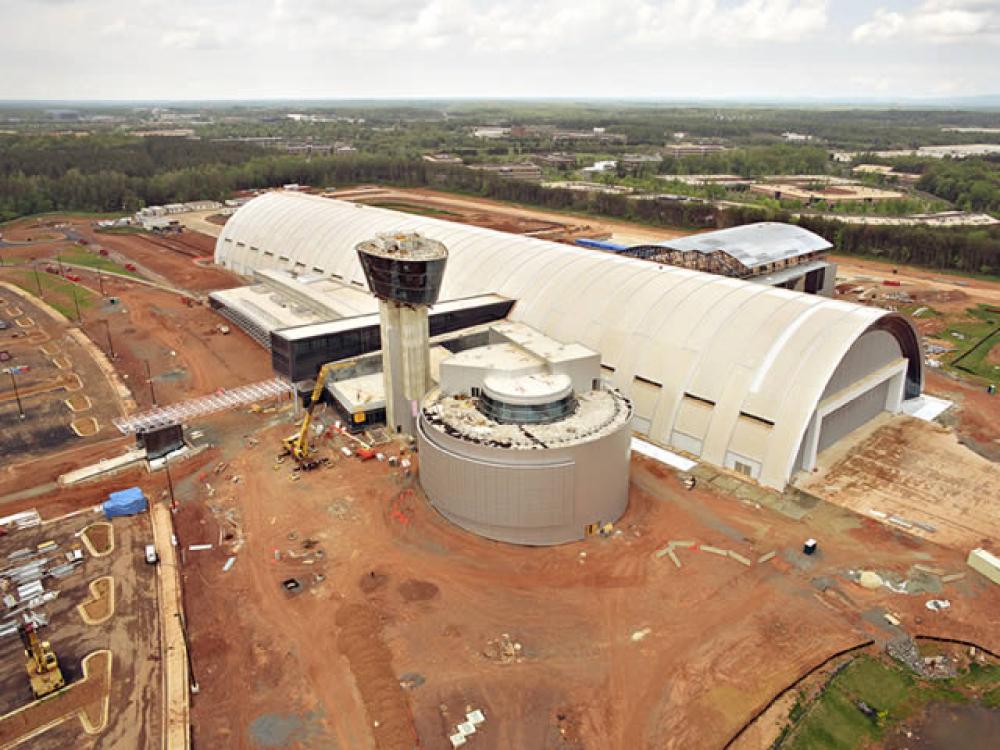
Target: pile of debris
905,651
503,650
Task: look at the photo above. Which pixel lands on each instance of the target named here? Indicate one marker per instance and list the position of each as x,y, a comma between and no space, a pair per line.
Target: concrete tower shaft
404,271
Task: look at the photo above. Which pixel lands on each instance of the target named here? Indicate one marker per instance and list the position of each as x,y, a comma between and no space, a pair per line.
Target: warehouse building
749,376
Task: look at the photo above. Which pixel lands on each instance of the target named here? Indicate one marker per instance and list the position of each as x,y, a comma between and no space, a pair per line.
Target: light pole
170,485
149,379
38,281
76,303
17,396
107,330
100,280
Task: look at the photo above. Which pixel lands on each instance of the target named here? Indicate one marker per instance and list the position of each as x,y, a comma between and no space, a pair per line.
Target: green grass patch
56,291
122,230
59,214
973,339
833,721
82,257
412,208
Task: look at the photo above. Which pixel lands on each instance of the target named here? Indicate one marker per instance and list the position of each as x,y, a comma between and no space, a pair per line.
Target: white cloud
200,35
884,25
937,21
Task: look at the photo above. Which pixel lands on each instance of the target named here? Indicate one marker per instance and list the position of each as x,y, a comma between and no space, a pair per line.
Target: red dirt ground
406,592
978,422
186,353
170,257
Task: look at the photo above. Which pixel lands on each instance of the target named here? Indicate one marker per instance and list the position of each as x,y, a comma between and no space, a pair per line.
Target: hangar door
852,415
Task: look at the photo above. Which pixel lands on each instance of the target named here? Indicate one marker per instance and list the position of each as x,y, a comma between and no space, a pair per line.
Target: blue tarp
124,503
601,245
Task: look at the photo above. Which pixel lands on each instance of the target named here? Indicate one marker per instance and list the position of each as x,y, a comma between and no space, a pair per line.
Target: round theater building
521,442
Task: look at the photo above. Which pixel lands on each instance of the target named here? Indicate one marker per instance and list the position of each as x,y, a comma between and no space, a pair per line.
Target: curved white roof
734,346
753,244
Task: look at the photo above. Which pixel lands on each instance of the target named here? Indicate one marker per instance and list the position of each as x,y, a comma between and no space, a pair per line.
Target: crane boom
297,444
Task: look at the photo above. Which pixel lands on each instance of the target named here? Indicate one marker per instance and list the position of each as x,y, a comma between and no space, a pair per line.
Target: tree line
109,190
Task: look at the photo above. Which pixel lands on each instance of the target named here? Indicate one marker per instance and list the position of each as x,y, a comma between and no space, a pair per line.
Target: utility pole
170,485
100,280
17,396
76,302
107,330
38,281
149,379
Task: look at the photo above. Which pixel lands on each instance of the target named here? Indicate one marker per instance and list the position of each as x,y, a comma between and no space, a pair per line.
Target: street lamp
38,281
107,330
12,371
149,379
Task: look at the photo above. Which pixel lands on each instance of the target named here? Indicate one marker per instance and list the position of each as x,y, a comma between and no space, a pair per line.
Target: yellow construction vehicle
297,444
42,665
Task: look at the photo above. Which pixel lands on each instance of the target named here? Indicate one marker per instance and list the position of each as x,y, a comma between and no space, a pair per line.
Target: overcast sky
238,49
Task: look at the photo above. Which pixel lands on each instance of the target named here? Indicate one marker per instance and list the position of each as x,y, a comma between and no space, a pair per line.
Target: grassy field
122,230
56,291
83,257
413,208
973,338
833,720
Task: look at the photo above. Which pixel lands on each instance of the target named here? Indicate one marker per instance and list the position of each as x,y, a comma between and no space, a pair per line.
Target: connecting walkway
222,400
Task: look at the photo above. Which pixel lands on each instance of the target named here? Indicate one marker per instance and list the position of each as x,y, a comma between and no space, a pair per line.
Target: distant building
165,133
518,171
903,178
556,160
637,162
692,149
589,187
490,132
725,180
601,167
597,134
828,193
796,137
442,158
306,149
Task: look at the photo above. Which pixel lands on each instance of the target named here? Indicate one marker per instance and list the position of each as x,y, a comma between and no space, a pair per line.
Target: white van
151,557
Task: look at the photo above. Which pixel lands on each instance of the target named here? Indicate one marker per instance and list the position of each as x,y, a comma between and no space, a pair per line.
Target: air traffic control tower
404,272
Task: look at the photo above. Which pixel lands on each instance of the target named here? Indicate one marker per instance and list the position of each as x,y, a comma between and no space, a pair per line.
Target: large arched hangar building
744,375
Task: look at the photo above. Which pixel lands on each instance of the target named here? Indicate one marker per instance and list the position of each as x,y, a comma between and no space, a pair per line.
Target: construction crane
297,444
42,665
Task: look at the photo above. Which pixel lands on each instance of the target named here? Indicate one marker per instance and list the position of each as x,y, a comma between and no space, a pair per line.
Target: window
754,418
706,401
505,413
742,468
476,392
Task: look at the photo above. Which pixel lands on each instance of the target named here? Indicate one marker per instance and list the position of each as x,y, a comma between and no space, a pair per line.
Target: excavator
42,665
297,444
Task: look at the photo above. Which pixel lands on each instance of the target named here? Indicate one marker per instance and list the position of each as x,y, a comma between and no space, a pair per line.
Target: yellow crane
42,665
297,444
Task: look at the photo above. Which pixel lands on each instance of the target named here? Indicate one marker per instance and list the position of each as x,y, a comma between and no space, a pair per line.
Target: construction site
397,469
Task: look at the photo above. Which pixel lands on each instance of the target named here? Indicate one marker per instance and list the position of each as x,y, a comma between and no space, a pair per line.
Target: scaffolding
222,400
